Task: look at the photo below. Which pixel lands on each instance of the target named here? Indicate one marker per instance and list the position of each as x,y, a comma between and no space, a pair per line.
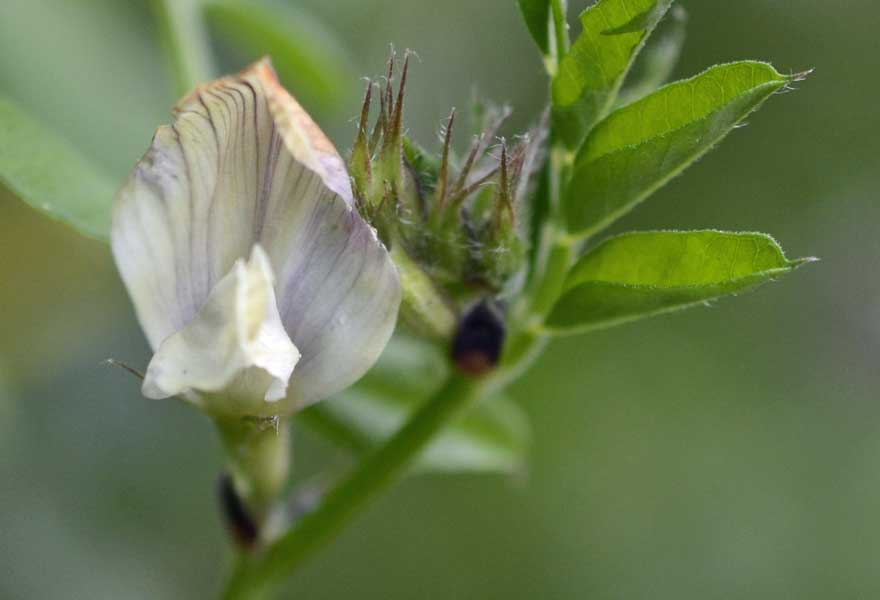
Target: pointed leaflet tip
799,262
796,77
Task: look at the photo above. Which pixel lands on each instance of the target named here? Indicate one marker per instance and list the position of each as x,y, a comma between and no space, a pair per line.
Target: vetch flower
258,285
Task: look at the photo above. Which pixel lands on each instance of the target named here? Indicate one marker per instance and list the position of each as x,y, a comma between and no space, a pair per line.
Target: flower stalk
184,34
256,576
258,452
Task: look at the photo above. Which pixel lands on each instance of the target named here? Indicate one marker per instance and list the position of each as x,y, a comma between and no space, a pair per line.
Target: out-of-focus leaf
51,175
591,74
656,63
493,437
536,14
7,407
308,57
642,274
640,147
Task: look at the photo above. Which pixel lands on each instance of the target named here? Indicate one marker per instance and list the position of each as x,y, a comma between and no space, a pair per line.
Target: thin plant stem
255,577
560,29
185,37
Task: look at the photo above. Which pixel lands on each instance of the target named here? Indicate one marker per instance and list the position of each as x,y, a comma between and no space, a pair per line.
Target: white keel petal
236,331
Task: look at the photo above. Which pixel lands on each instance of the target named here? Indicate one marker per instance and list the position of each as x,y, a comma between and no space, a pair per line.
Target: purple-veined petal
243,164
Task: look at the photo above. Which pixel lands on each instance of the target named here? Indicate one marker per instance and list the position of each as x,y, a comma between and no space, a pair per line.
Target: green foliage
591,74
640,147
536,14
493,437
304,52
657,61
619,158
642,274
50,175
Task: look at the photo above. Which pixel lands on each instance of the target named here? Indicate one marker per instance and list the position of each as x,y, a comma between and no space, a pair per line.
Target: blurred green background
731,452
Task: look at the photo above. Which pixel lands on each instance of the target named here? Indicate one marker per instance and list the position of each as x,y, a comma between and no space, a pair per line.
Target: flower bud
478,342
460,220
241,525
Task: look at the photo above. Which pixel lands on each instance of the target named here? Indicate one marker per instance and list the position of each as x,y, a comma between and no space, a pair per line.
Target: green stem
183,32
422,306
259,459
526,342
254,577
553,278
560,29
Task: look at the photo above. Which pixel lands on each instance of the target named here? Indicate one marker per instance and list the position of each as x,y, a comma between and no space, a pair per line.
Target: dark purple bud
476,348
241,525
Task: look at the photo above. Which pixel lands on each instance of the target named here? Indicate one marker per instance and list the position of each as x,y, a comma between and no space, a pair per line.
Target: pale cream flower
256,281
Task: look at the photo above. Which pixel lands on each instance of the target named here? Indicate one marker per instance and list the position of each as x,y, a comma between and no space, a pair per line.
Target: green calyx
460,219
258,453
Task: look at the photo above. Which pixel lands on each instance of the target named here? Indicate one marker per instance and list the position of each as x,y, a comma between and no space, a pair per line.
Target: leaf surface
657,61
591,74
641,274
536,14
49,174
307,55
641,146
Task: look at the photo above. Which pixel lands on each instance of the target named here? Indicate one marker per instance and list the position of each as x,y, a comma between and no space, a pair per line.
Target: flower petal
235,345
243,164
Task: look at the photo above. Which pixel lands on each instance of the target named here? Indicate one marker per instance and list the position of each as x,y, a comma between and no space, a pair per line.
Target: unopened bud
240,523
476,348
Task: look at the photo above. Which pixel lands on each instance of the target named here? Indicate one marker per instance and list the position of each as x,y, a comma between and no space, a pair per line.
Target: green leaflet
536,14
591,74
305,53
642,274
51,175
491,438
657,61
640,147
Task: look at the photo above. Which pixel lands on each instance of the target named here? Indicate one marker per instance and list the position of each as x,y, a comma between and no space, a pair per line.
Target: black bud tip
241,525
479,340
